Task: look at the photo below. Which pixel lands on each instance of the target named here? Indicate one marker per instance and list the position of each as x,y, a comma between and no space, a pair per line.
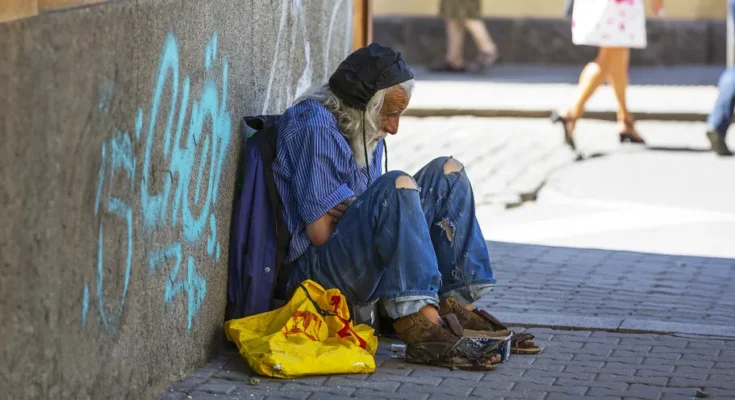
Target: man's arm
321,161
320,230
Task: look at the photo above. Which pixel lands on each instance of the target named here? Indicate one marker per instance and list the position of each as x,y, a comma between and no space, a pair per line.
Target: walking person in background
568,7
460,14
719,121
615,26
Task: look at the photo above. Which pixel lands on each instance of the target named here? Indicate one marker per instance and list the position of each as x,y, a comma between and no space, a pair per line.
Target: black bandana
366,71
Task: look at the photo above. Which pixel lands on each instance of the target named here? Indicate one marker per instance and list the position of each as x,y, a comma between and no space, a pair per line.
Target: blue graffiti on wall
194,156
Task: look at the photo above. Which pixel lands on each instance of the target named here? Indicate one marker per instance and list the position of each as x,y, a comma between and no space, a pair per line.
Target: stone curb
613,324
425,112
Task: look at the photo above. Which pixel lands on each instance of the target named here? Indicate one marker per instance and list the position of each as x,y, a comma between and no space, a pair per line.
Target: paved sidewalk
509,159
676,93
575,285
573,365
607,289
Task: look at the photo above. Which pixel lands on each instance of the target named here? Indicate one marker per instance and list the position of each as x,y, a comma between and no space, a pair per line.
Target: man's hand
320,230
338,211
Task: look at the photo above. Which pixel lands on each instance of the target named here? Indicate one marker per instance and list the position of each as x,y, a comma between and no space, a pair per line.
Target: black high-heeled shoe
630,134
446,67
568,135
632,138
485,61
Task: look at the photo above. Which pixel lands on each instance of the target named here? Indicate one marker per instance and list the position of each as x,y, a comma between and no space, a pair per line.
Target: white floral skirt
609,23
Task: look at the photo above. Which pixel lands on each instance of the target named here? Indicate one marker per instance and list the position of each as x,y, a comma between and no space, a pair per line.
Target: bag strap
346,330
321,311
268,126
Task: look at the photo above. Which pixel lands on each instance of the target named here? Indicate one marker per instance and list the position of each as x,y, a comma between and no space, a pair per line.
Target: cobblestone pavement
605,283
509,159
506,159
575,363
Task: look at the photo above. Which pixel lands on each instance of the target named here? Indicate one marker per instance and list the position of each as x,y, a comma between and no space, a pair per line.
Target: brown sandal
447,346
481,320
452,357
522,343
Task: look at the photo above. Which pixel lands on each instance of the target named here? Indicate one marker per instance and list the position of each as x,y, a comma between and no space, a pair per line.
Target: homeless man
411,241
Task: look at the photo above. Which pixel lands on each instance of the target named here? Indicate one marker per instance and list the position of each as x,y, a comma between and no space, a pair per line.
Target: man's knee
452,166
448,165
406,182
396,179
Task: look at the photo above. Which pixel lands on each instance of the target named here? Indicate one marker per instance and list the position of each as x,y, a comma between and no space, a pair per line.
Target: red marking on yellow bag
346,330
304,318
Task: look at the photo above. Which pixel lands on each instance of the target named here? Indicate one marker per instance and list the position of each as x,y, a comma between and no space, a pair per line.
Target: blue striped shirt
315,169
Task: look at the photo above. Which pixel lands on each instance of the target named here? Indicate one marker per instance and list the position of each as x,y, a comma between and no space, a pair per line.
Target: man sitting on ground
409,241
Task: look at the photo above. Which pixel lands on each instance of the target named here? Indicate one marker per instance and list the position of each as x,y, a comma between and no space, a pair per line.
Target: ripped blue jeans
407,247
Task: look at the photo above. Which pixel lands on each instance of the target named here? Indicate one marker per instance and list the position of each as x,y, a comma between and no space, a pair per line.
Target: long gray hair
351,121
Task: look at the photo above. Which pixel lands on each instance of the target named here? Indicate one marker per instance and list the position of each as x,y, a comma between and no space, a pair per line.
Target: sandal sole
526,352
456,366
448,356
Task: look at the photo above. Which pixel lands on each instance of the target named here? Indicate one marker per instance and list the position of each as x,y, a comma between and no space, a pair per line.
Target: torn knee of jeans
406,182
452,166
448,228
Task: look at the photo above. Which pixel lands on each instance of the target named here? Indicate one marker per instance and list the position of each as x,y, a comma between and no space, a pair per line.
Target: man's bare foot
432,314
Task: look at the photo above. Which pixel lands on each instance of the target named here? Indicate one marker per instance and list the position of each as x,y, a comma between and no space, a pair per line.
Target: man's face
396,101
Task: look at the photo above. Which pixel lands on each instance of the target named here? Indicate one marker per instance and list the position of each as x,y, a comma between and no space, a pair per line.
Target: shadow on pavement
584,157
678,149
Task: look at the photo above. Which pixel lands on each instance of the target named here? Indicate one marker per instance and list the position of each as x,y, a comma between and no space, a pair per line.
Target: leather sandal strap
493,321
521,337
451,322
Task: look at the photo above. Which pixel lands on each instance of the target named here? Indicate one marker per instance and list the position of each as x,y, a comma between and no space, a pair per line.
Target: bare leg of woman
455,43
488,49
619,81
592,76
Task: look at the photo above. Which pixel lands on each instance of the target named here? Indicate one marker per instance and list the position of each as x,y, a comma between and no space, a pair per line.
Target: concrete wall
119,133
688,10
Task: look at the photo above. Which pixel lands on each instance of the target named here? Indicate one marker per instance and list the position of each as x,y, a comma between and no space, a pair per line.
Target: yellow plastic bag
300,339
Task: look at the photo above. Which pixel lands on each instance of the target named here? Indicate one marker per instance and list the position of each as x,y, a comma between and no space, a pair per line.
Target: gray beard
358,147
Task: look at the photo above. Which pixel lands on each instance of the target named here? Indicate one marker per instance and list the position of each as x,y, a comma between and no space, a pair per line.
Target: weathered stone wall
119,135
687,10
422,40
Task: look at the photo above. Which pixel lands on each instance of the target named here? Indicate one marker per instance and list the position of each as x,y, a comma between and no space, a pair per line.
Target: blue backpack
259,238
